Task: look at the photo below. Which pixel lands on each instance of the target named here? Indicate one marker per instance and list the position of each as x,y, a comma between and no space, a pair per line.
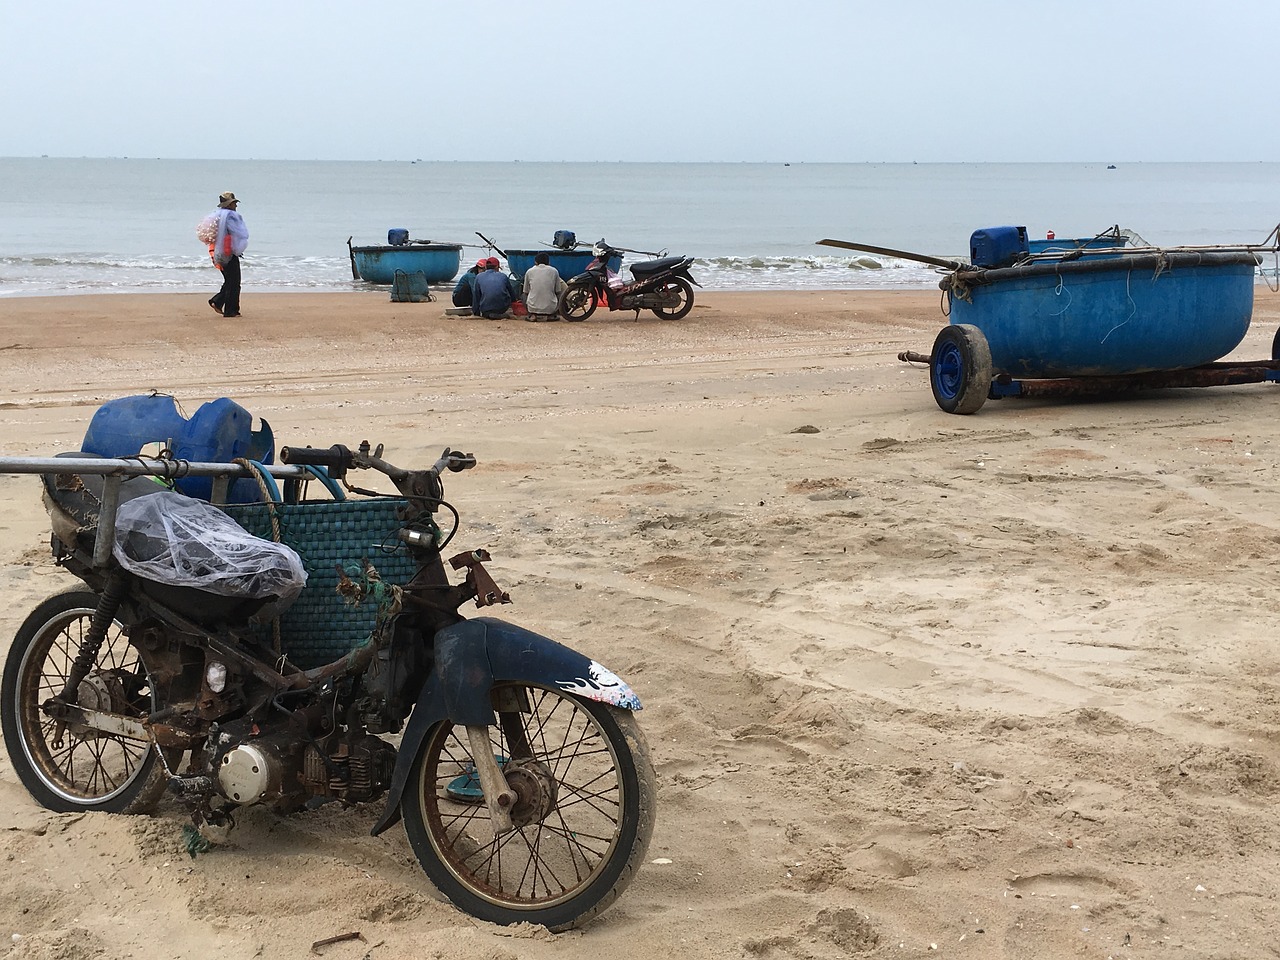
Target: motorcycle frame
470,655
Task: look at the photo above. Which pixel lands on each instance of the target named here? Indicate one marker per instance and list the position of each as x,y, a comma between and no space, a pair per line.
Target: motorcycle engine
259,770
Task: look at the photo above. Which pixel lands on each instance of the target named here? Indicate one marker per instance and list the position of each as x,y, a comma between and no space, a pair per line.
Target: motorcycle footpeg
191,787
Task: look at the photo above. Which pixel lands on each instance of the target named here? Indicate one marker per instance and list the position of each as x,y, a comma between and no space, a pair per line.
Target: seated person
493,292
542,288
464,290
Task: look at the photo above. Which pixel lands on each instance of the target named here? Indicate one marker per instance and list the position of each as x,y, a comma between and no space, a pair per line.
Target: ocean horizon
95,225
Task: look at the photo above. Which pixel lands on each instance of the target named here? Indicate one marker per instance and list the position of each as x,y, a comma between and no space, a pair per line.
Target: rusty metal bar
106,533
1209,375
115,470
141,467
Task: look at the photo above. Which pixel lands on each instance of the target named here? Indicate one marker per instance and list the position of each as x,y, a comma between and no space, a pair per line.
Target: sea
103,225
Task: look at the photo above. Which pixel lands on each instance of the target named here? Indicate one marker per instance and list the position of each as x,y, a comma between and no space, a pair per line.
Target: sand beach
916,685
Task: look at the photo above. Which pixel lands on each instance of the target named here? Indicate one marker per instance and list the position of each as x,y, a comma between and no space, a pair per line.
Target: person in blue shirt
464,290
493,293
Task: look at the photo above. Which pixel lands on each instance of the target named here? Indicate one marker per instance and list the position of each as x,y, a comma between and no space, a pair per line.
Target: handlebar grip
336,456
461,461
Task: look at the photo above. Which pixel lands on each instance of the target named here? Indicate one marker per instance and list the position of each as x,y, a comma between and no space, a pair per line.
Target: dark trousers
228,298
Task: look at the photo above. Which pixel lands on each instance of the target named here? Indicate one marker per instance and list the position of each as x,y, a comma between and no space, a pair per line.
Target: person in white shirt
542,288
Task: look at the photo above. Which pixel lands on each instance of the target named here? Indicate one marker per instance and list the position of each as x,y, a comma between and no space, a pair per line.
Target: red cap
481,262
491,262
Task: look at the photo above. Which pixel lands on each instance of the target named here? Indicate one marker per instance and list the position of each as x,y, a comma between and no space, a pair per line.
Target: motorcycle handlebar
455,462
338,459
336,456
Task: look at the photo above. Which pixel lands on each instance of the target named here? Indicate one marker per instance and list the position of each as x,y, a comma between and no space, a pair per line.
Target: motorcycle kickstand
498,794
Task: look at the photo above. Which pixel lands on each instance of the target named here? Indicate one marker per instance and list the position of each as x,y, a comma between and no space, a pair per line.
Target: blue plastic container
219,432
122,427
997,246
397,236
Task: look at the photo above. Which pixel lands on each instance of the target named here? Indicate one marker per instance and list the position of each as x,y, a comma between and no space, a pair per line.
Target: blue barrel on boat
997,246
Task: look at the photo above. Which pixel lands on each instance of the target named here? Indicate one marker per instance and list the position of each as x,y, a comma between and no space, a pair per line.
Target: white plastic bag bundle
169,538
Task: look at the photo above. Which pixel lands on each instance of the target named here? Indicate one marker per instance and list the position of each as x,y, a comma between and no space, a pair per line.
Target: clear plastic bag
169,538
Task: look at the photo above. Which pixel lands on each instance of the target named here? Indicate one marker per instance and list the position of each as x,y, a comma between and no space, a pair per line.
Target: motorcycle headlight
215,675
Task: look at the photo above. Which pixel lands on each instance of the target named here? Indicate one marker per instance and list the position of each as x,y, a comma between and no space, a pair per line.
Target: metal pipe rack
117,470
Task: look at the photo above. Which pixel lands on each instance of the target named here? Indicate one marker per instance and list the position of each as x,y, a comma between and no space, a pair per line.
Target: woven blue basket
320,626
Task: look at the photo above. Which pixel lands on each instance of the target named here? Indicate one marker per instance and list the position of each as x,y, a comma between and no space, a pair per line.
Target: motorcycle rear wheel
577,302
583,821
682,291
65,769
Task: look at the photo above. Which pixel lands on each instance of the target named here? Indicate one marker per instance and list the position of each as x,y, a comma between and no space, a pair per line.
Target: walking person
230,238
542,288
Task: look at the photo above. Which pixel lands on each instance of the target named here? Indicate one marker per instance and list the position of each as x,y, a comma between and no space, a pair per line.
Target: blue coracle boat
439,262
568,263
1086,311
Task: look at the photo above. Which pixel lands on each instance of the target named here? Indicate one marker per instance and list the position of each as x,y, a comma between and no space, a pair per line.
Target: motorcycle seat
647,268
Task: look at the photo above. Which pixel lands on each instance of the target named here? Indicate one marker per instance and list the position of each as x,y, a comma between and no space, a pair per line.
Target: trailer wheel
960,368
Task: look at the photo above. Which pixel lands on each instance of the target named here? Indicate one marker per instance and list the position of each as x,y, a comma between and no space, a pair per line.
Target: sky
642,80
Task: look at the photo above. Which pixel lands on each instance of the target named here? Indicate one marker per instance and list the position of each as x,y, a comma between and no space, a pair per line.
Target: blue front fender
470,657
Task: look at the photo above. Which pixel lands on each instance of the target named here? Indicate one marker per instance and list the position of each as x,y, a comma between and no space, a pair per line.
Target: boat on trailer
1039,318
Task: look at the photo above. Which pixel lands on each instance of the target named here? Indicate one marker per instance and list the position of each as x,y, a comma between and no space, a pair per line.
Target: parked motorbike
663,285
521,776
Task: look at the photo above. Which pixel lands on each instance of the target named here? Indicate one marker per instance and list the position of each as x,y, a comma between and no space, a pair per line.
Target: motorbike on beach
521,775
663,285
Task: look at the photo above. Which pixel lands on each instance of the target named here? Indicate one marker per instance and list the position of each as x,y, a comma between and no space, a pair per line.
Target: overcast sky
661,80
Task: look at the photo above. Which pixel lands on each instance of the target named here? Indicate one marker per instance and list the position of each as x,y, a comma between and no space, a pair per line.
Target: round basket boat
439,262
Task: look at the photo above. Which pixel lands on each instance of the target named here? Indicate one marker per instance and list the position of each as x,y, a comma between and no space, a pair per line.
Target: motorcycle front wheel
585,813
65,767
677,294
577,302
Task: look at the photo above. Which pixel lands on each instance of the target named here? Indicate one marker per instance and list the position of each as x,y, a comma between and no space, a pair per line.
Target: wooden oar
355,274
900,254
